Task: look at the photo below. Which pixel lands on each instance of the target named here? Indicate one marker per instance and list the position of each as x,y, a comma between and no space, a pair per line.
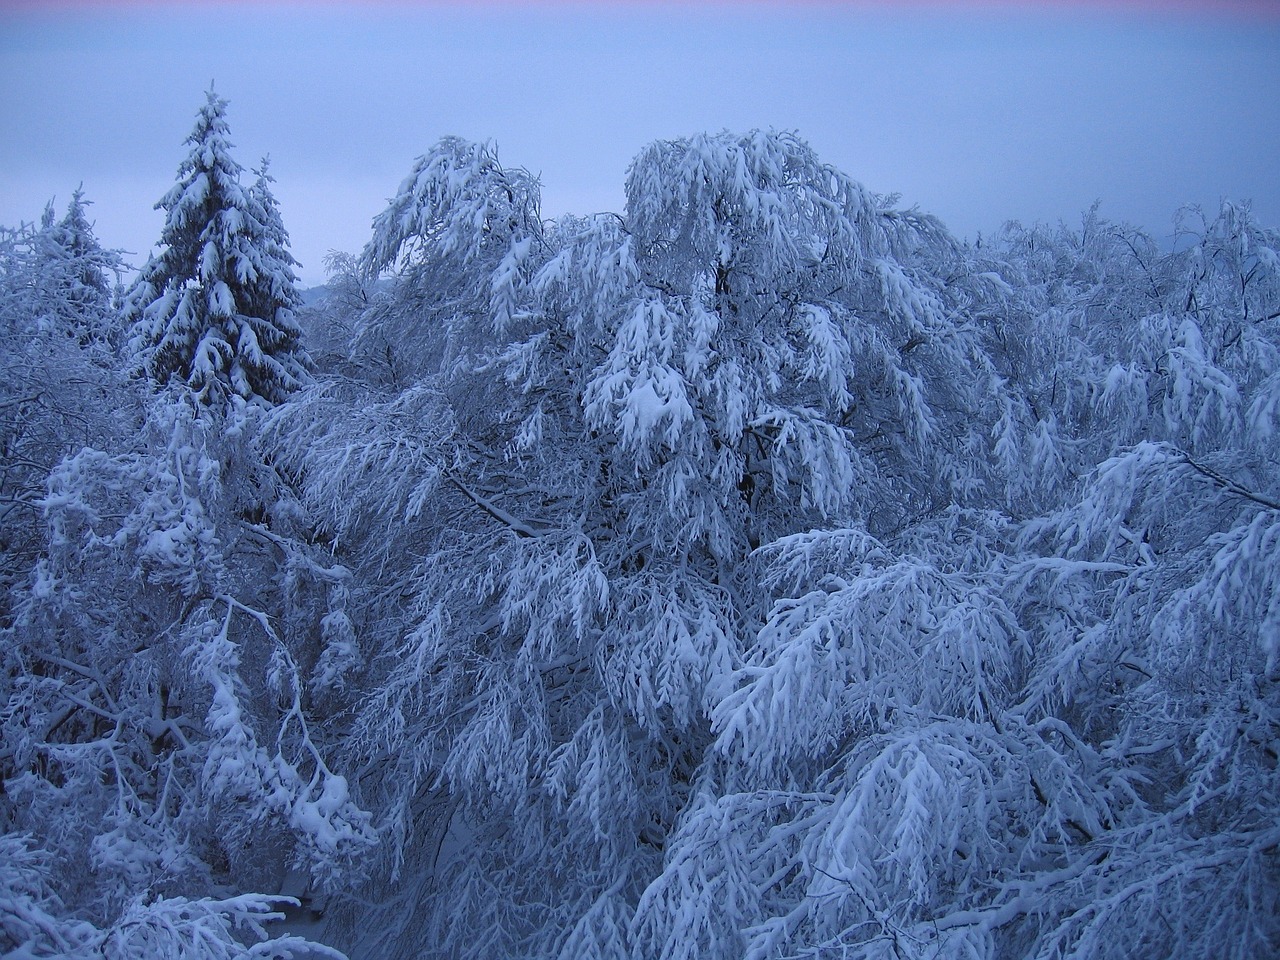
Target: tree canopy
758,572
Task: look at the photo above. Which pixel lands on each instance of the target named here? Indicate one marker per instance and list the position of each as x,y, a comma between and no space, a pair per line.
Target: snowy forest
760,572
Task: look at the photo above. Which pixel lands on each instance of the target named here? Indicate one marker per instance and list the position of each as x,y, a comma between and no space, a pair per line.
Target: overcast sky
976,112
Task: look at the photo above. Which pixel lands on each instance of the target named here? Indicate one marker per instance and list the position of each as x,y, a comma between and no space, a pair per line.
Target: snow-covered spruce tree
57,277
609,418
275,295
214,308
57,330
80,276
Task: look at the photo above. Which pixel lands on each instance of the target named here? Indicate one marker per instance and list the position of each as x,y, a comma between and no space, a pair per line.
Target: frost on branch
150,750
846,653
33,922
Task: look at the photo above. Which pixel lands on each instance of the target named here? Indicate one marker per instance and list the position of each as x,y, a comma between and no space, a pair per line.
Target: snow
762,572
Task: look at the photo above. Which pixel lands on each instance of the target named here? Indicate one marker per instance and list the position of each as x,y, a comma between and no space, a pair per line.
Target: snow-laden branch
1228,485
515,524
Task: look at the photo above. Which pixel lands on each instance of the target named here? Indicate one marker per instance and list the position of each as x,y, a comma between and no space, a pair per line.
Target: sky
978,112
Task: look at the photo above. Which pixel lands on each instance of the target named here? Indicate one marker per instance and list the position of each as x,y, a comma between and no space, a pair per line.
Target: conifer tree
215,307
54,276
82,265
58,383
274,293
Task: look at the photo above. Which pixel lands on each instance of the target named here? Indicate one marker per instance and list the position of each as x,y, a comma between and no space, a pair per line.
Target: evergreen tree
215,308
759,573
275,293
80,267
55,277
58,383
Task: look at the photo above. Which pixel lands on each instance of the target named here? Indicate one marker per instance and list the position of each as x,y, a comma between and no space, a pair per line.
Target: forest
761,572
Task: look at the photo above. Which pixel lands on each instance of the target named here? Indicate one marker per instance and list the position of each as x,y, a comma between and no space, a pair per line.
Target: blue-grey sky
976,112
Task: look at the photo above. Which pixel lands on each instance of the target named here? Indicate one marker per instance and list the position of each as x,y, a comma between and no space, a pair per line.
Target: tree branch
518,526
1228,485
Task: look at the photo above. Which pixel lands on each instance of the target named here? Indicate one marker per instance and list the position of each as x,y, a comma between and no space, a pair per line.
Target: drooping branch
1228,485
518,526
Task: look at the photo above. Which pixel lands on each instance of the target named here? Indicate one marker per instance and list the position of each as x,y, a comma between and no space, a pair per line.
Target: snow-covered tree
57,277
164,666
214,308
758,573
332,320
1154,587
606,418
79,276
461,233
274,296
34,921
787,579
59,383
169,666
1030,736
